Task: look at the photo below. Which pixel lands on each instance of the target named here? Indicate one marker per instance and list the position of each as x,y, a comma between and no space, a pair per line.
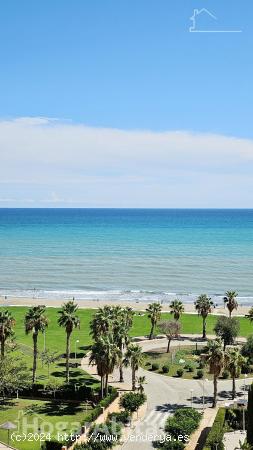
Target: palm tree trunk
168,346
106,384
121,376
234,388
102,386
67,356
204,328
214,391
2,347
152,331
133,379
35,353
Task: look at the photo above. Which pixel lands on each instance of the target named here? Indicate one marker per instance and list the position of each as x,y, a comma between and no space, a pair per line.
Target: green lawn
180,357
191,324
56,338
51,417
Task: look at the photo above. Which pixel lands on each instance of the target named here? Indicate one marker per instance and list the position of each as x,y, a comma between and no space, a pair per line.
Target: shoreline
95,304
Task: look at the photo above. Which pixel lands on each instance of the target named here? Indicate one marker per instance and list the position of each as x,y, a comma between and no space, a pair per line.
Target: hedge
64,392
215,436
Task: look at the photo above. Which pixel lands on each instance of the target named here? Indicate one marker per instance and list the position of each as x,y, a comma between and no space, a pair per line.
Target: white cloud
100,166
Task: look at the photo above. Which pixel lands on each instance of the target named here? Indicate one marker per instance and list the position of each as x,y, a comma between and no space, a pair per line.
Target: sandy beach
94,304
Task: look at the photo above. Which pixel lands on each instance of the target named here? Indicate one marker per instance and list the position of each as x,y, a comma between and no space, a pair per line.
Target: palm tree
215,358
105,354
121,338
154,314
176,308
133,358
234,362
230,301
141,381
103,320
68,320
7,323
250,314
35,322
204,306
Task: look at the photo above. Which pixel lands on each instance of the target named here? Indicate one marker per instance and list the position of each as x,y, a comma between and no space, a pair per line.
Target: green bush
189,367
215,436
166,368
225,375
191,413
104,436
131,401
122,417
184,422
155,366
170,445
180,372
200,374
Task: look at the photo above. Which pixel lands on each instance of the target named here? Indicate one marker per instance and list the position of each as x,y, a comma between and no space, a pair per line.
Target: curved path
165,394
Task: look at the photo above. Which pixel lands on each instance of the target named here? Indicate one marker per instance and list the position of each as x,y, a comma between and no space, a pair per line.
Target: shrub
247,349
245,369
166,368
104,436
155,366
201,364
225,375
170,445
184,427
180,372
189,413
200,374
122,417
131,401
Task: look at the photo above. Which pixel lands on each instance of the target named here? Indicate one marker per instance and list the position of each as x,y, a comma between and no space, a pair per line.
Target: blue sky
133,66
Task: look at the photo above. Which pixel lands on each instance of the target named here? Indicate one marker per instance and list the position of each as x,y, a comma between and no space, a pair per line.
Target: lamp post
244,393
44,335
77,341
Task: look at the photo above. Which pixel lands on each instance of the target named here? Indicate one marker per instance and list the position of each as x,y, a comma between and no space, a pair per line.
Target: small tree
154,314
53,386
14,375
131,401
172,329
141,381
49,358
227,329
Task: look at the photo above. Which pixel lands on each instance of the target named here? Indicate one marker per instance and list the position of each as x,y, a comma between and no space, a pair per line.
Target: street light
191,398
44,334
77,341
244,394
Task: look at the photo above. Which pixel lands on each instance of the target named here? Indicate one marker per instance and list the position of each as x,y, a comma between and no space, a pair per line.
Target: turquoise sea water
126,254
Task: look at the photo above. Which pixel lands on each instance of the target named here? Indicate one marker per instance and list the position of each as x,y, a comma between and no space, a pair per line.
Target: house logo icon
204,21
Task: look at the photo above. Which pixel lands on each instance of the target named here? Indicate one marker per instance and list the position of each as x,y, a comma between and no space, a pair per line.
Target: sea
119,255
